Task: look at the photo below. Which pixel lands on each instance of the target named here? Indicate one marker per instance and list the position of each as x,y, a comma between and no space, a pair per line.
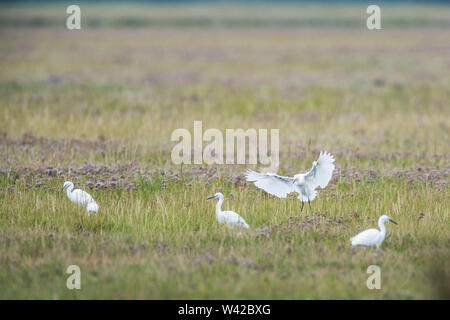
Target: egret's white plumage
372,237
80,197
304,184
92,206
231,218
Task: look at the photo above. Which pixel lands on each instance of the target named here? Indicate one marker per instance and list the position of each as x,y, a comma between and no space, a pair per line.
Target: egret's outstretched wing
321,172
274,184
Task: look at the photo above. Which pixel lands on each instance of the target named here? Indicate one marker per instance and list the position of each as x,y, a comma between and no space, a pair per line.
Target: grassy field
98,107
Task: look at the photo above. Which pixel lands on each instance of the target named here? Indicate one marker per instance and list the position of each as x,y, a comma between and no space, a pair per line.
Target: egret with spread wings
304,184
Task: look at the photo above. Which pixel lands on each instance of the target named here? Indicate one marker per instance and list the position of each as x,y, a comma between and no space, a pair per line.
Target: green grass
98,107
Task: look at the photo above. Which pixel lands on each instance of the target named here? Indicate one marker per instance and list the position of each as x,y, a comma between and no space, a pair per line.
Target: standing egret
303,183
372,237
231,218
80,197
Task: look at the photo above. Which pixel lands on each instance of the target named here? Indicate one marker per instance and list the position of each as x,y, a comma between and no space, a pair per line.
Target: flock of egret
305,184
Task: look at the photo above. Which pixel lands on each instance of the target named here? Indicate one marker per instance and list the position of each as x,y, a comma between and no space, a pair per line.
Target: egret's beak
212,197
393,221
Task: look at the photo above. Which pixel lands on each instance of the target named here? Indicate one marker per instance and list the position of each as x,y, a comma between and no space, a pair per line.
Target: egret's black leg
301,211
309,202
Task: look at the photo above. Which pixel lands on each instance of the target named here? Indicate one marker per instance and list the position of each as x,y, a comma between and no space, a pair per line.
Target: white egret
80,197
372,237
304,184
231,218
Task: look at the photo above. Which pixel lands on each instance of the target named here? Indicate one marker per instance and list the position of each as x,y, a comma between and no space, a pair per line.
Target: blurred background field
97,106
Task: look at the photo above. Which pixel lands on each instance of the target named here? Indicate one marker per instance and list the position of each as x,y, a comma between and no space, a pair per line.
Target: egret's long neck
382,227
69,191
219,206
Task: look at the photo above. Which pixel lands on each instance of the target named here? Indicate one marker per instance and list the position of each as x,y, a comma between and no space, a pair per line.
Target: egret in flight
372,237
80,197
304,184
231,218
